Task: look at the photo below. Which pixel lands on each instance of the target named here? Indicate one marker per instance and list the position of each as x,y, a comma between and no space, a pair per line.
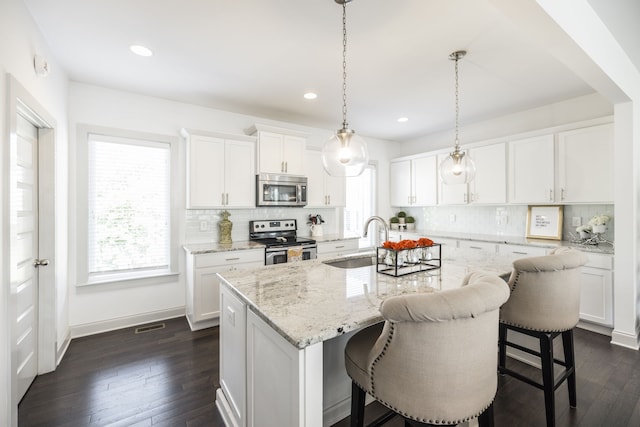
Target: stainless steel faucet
380,220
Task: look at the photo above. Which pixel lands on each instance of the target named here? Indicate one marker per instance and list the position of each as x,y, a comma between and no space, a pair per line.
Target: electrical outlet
204,226
452,217
576,221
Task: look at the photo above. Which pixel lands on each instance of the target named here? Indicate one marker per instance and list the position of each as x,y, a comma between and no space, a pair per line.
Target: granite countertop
309,301
213,247
603,248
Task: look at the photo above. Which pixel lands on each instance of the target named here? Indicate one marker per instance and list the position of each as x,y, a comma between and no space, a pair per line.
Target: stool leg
546,357
357,405
502,347
570,360
486,418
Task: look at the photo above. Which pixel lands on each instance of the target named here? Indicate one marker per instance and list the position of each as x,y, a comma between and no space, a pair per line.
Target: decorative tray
398,262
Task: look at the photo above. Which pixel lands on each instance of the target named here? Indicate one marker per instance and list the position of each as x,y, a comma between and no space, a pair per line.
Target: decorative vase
599,229
225,228
316,230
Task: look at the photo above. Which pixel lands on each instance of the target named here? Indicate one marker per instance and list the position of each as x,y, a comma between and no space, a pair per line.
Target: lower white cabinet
475,245
337,248
596,299
203,286
521,251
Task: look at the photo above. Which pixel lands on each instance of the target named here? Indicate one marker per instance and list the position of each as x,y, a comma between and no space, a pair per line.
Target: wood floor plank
168,377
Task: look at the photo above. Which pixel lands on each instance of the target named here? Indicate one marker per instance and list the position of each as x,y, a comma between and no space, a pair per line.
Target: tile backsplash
507,220
202,225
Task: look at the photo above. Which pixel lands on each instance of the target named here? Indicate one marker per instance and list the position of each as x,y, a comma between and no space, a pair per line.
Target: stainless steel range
281,241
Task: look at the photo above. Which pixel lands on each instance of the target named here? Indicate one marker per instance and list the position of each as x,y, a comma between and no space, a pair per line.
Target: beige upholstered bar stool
544,304
433,361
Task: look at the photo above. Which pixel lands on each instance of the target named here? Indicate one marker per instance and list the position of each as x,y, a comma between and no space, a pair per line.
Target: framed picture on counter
544,222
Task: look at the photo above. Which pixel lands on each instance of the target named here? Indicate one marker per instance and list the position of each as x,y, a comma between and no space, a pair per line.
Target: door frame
19,100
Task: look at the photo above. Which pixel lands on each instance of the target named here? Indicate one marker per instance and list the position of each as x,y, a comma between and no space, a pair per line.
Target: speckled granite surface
308,302
206,248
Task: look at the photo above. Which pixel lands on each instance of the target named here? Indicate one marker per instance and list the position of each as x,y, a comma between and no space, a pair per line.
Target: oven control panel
273,225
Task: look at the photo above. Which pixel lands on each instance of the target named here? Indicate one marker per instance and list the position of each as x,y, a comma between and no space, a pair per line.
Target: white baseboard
224,409
624,339
124,322
599,329
196,326
62,350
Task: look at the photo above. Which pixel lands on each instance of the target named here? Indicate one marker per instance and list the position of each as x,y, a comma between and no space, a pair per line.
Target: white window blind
129,201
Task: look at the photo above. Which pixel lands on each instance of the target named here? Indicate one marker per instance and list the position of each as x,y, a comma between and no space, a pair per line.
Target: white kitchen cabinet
280,151
220,170
337,248
521,251
451,194
477,245
531,170
233,346
323,190
490,183
203,286
596,290
585,165
414,182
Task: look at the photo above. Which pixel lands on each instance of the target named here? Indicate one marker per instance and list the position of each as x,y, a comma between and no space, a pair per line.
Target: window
361,201
130,230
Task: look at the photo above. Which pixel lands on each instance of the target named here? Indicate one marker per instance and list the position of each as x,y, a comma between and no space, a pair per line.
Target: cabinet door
596,295
490,182
293,150
270,152
451,194
206,294
240,179
400,183
424,181
315,178
531,170
334,188
205,172
585,165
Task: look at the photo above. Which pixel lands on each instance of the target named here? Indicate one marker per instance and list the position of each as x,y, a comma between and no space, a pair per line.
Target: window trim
128,278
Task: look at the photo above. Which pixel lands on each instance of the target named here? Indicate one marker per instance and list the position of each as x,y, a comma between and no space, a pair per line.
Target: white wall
571,111
97,307
20,41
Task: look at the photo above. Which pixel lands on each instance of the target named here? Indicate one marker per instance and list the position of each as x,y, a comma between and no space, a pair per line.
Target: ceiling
258,57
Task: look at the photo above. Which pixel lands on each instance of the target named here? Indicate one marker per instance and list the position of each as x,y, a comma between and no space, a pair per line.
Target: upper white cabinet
490,183
452,194
322,189
531,170
220,170
585,165
414,182
280,151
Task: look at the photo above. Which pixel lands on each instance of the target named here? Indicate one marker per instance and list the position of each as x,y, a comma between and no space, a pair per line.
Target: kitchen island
283,330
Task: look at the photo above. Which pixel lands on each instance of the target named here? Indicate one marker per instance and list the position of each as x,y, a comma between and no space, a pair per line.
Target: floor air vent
149,328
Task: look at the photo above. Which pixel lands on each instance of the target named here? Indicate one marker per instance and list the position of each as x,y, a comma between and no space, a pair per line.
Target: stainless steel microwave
281,190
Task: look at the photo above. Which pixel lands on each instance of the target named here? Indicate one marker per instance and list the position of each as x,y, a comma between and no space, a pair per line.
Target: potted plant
411,223
402,216
394,221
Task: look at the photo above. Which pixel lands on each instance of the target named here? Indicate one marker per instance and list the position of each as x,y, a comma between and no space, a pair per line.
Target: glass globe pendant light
345,153
457,168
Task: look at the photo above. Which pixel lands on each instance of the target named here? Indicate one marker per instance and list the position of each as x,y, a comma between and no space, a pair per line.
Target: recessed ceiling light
140,50
310,95
403,119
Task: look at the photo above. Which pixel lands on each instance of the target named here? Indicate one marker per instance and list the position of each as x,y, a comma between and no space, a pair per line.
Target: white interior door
24,253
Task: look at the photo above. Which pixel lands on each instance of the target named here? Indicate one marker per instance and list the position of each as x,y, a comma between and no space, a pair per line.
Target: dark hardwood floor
168,377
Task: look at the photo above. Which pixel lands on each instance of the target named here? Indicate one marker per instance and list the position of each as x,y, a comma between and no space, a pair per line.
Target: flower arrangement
599,220
315,220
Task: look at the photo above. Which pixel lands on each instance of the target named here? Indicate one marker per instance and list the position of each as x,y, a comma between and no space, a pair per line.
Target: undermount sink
352,262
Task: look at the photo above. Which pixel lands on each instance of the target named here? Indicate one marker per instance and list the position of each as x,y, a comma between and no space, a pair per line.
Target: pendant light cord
457,147
345,125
